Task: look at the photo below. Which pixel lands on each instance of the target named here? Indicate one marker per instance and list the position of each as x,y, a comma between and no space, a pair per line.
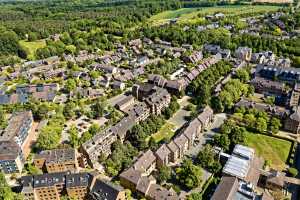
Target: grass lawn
270,148
165,132
31,47
190,15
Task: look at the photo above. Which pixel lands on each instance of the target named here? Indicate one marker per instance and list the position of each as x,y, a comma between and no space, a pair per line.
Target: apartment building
146,163
101,142
145,186
158,101
57,160
11,158
14,142
80,186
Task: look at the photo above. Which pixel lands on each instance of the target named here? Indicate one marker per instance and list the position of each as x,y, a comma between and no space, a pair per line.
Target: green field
31,47
190,15
270,148
166,131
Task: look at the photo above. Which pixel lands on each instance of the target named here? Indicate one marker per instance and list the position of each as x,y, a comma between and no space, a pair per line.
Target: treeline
202,87
75,41
230,94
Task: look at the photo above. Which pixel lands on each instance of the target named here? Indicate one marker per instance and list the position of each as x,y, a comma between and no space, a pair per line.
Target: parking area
82,124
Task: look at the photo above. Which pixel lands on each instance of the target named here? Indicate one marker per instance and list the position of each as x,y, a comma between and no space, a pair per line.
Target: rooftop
16,123
57,155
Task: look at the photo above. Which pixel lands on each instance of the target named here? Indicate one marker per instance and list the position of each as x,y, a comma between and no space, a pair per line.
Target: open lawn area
273,149
166,131
191,15
31,47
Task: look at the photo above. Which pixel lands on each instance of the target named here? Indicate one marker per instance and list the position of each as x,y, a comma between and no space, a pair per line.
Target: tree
32,37
49,137
33,170
85,137
207,159
189,174
98,109
195,196
270,100
243,75
73,136
5,191
261,125
164,174
70,85
274,126
9,43
94,129
222,141
69,110
3,120
293,172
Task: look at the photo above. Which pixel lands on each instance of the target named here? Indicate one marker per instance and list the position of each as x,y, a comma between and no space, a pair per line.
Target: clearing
166,132
191,15
273,149
31,47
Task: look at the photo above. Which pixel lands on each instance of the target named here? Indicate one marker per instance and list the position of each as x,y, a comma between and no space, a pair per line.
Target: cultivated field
270,148
191,15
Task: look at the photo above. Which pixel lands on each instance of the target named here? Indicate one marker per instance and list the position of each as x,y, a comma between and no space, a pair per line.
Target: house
258,58
142,61
136,42
118,85
269,87
145,186
193,131
211,48
206,117
106,190
57,160
130,178
194,57
292,123
103,81
146,163
125,103
175,152
284,62
162,156
243,53
105,68
182,144
278,111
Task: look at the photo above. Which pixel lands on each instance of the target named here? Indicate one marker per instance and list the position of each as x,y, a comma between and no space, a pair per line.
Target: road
209,134
114,100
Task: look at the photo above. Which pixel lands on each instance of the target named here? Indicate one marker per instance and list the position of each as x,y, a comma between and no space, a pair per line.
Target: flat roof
237,167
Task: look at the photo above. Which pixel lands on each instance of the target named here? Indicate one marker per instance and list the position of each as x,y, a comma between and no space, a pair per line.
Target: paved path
179,118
